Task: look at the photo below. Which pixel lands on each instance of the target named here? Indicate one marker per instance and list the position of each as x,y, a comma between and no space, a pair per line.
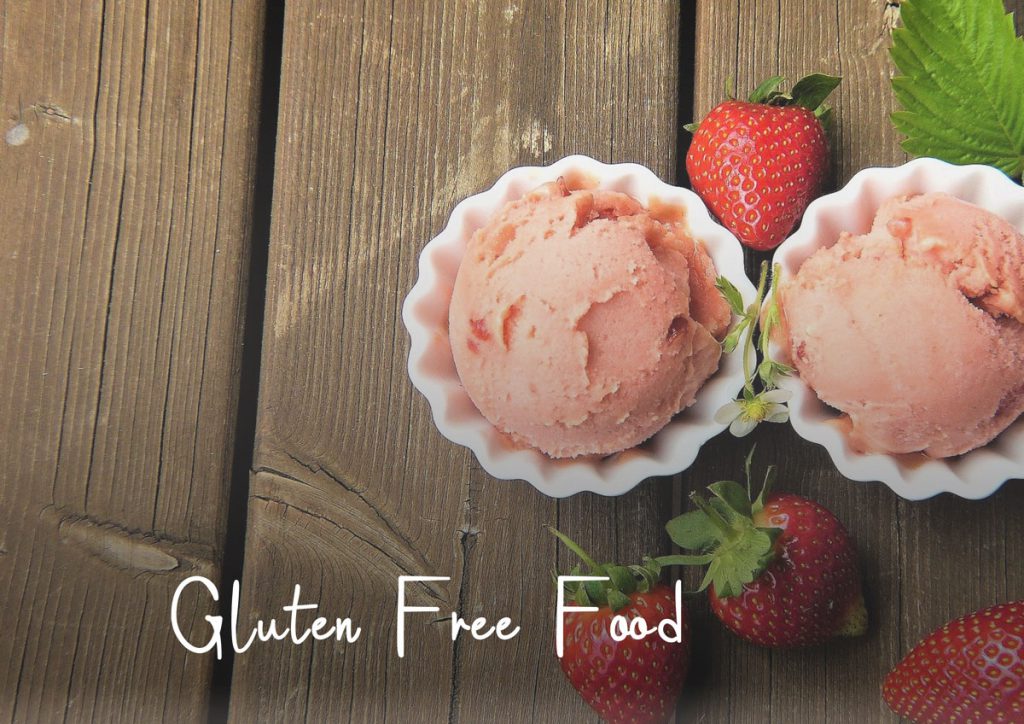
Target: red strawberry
758,163
971,669
783,569
635,681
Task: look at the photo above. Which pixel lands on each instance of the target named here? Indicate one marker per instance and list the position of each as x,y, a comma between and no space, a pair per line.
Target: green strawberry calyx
722,529
809,92
623,581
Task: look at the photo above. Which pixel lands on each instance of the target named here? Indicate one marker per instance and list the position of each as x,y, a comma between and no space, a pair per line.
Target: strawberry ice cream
915,330
580,323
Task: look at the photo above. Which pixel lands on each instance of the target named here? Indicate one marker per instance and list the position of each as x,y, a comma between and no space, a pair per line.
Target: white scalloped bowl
432,368
974,475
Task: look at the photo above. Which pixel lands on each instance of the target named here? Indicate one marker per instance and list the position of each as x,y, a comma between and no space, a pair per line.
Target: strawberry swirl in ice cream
581,323
915,330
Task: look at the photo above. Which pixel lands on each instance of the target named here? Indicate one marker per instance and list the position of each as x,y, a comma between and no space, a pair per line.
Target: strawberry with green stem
782,568
758,163
635,681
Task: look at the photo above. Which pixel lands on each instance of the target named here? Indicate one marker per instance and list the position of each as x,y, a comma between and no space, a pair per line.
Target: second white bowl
976,474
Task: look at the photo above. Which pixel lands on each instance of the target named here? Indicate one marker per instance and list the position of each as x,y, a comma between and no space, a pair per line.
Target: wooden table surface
205,242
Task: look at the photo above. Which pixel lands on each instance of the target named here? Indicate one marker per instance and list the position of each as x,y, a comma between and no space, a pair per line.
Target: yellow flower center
755,410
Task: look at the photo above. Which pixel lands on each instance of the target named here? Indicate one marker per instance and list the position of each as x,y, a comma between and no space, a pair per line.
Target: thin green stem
571,545
748,341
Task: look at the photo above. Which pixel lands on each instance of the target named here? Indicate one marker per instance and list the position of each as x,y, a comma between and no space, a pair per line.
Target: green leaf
716,516
961,84
692,531
748,466
581,597
622,578
761,93
617,600
811,92
766,487
650,568
770,320
826,116
691,127
733,495
732,340
597,591
647,574
731,294
740,561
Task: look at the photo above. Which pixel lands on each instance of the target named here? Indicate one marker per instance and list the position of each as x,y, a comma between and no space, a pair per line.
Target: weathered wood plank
124,230
917,575
353,488
390,115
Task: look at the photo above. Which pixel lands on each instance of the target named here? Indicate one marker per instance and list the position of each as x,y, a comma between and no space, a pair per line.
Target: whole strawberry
971,669
758,163
629,681
782,569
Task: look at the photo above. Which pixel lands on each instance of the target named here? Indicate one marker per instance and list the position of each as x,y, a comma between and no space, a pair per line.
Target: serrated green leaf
733,495
961,84
810,92
731,294
692,531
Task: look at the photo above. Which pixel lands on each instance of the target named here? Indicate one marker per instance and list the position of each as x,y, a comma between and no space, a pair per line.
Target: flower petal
728,412
776,395
778,413
742,426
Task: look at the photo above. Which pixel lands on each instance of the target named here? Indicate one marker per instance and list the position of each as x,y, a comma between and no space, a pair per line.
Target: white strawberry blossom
743,415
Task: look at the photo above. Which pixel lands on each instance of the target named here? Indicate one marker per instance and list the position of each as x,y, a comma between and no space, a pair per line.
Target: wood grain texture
923,563
124,233
391,114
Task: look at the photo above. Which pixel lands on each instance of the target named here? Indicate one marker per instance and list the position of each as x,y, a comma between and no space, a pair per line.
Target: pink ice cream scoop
580,323
915,330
